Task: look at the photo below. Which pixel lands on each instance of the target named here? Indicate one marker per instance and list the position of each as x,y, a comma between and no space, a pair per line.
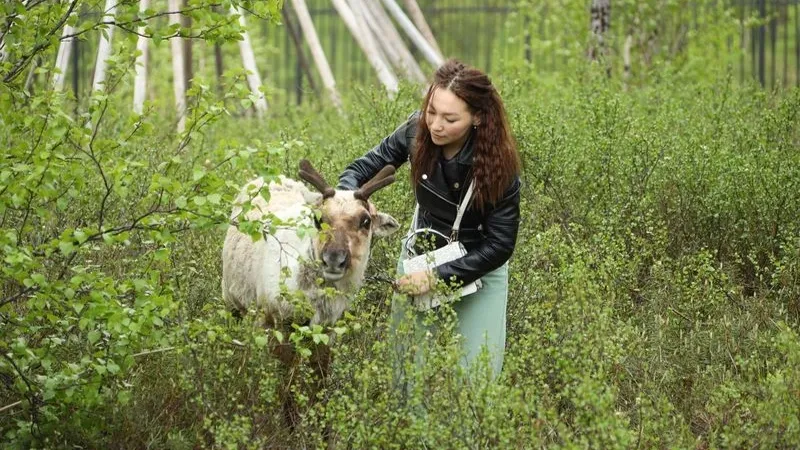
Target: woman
460,136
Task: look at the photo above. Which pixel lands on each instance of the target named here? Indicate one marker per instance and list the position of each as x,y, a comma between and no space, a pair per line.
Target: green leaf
93,336
261,341
112,367
214,199
66,247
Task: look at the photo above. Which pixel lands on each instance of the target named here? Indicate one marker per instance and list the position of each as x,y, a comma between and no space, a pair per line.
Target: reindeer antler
382,179
310,174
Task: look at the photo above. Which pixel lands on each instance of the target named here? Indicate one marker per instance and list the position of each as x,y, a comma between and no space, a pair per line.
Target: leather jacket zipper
433,191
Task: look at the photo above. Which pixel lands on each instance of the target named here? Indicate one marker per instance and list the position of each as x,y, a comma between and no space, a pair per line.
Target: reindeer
253,272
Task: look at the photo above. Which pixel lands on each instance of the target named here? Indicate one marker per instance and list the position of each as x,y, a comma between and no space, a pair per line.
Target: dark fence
488,33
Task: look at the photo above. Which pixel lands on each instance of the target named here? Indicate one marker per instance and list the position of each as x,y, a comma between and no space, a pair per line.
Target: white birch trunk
62,59
600,23
140,80
249,62
310,34
414,34
387,35
626,57
363,38
422,25
104,49
178,75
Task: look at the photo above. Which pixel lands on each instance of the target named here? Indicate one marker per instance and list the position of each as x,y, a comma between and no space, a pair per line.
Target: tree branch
26,59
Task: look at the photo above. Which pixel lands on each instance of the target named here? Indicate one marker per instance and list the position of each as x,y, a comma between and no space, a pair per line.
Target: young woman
460,136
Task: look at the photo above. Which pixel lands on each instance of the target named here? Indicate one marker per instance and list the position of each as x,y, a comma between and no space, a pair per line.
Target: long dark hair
495,160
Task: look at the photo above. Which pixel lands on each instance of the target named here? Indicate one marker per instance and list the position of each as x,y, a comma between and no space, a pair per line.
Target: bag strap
461,209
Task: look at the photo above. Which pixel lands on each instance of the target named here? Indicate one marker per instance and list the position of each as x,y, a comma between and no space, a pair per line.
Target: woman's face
448,118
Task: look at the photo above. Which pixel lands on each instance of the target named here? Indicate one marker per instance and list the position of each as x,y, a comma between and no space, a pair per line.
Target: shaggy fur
254,272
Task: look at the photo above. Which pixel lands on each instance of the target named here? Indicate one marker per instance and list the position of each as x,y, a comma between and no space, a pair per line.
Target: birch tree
178,75
249,62
310,34
600,23
62,58
104,49
140,80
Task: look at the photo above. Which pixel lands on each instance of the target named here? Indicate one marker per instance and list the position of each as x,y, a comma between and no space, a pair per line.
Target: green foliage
654,287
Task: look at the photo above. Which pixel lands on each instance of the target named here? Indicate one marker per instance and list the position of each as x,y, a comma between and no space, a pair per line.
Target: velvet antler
382,179
310,174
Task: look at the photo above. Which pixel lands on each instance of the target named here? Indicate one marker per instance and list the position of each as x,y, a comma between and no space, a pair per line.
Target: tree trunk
188,70
626,57
104,49
422,25
62,59
310,34
249,62
419,41
363,38
383,28
600,23
219,68
140,83
178,76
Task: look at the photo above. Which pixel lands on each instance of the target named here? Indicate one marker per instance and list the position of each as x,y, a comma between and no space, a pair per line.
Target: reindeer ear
384,225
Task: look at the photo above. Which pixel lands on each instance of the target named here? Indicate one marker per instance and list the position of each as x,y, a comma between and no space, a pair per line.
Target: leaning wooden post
414,34
140,80
62,59
422,25
385,74
310,34
104,49
249,63
178,75
382,25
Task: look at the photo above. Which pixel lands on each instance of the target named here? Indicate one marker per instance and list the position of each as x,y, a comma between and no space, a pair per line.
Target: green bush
654,288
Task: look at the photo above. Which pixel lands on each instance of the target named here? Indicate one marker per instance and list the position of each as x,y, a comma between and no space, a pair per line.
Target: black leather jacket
488,236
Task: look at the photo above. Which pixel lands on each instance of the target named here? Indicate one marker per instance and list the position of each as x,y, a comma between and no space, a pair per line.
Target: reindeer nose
336,260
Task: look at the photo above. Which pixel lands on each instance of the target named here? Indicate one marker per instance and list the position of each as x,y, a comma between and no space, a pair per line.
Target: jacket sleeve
500,226
393,149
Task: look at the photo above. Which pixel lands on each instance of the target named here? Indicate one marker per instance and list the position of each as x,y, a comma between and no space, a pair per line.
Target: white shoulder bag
453,250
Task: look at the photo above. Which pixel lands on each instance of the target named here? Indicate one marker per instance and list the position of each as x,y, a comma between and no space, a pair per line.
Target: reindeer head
347,224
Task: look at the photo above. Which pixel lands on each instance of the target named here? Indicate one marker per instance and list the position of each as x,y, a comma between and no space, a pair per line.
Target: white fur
252,271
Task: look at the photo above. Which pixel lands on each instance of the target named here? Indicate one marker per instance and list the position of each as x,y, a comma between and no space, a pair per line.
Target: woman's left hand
417,283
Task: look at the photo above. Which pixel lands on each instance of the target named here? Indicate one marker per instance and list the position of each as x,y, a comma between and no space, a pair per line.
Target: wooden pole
422,25
178,76
104,49
419,41
249,62
140,79
362,37
296,36
310,34
382,26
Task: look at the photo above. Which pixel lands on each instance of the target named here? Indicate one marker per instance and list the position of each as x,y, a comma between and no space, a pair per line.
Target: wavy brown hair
495,160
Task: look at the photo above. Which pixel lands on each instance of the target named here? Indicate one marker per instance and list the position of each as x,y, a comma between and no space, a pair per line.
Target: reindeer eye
366,222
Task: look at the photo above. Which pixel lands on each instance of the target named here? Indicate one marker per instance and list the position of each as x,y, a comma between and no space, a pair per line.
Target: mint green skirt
480,319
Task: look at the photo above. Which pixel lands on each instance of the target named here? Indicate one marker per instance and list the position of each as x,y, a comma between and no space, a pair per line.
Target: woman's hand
417,283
